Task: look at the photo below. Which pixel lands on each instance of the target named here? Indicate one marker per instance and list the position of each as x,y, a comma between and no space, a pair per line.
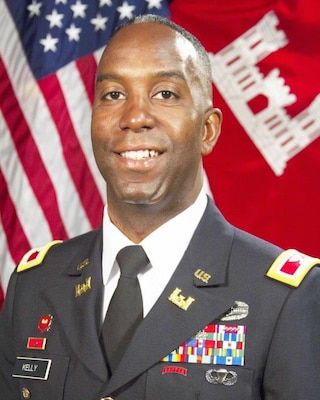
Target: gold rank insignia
291,267
35,256
179,300
83,287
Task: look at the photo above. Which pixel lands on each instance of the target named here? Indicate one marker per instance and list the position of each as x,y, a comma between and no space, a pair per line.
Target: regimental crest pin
44,324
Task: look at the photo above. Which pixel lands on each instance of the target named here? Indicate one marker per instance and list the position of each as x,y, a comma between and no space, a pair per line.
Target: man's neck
137,221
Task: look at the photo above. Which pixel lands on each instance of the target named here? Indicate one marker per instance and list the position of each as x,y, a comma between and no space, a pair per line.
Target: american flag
50,187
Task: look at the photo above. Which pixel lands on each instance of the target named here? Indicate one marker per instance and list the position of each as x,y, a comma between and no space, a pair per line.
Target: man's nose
137,115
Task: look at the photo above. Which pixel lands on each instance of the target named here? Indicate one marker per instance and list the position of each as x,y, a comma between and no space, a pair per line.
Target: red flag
264,171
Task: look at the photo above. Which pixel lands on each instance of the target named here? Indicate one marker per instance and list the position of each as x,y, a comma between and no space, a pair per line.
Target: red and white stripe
50,187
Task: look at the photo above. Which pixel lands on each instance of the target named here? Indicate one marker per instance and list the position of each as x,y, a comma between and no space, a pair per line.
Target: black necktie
125,311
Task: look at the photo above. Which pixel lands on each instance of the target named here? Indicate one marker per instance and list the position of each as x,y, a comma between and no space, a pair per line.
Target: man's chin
140,202
137,195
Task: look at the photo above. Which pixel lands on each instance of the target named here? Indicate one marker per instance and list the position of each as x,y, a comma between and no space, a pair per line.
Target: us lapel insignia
83,264
179,300
202,275
238,311
82,288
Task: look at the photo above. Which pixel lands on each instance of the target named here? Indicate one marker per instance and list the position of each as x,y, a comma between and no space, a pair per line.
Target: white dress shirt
164,248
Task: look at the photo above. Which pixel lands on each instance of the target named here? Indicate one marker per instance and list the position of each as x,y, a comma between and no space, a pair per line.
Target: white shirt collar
164,247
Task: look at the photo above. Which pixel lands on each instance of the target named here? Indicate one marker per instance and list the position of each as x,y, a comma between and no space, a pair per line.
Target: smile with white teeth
139,154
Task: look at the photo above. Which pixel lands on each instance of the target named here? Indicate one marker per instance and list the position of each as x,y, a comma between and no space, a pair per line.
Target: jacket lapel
200,278
80,293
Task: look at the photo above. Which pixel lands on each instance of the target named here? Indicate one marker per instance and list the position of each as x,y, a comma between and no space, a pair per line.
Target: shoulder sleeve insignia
35,256
291,267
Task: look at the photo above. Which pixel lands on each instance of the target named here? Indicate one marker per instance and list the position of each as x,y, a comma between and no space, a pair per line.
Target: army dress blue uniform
227,326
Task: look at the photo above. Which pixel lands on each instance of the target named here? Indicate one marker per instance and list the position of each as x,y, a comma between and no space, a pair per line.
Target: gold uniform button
26,394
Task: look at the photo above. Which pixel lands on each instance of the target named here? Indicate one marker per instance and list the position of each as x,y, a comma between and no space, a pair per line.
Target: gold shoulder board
35,256
291,267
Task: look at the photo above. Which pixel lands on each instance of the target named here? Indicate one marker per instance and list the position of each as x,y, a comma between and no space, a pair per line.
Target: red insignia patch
44,323
33,255
291,267
174,370
36,343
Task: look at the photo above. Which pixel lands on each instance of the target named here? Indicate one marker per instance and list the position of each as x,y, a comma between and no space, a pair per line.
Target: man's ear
211,131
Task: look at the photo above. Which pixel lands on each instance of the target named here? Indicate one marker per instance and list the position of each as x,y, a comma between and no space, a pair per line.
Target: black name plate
32,368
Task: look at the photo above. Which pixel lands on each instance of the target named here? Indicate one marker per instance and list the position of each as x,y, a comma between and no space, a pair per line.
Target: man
225,315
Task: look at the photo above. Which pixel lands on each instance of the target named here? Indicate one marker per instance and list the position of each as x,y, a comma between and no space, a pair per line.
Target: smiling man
151,123
200,310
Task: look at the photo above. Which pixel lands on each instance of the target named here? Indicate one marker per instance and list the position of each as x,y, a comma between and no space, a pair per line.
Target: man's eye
113,96
165,94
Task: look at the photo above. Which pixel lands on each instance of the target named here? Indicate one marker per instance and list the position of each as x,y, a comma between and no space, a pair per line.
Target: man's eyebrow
171,74
106,76
159,74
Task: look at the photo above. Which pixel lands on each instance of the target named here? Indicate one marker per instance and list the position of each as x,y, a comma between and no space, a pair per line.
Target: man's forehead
155,37
149,33
144,28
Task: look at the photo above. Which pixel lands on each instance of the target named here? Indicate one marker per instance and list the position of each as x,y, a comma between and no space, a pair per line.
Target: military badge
221,377
34,257
239,310
36,343
291,267
82,288
179,300
215,344
44,323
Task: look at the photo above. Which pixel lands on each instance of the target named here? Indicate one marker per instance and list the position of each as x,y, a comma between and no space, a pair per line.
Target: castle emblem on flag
236,74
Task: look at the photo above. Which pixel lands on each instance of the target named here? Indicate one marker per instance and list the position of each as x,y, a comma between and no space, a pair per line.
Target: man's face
149,117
